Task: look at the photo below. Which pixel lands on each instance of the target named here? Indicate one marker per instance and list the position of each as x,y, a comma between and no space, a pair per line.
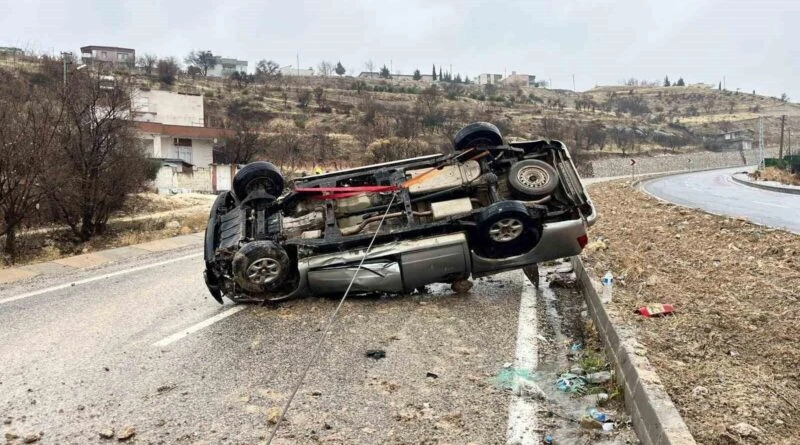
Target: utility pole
790,143
298,63
724,87
761,142
780,150
573,82
64,61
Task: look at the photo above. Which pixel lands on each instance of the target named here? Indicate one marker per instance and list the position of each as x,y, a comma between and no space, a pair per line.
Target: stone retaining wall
692,161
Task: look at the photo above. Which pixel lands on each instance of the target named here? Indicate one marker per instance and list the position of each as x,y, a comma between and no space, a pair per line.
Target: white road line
196,327
770,204
99,277
522,410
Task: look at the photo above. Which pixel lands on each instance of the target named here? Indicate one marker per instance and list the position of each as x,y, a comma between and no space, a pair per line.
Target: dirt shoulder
729,358
145,217
776,174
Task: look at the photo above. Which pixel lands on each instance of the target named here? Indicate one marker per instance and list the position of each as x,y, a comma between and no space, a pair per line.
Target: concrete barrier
654,416
773,188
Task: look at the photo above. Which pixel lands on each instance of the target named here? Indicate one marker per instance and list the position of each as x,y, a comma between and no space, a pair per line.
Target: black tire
505,229
478,134
257,175
532,178
260,266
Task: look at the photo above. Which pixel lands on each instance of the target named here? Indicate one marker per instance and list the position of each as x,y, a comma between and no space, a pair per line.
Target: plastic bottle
608,286
597,415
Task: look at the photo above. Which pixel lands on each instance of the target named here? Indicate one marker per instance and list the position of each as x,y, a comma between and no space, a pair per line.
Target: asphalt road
140,343
716,192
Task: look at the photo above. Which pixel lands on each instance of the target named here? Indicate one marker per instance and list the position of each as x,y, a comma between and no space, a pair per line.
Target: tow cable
328,325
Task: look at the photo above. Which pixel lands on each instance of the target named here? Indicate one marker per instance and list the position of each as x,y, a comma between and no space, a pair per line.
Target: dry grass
730,354
40,247
778,175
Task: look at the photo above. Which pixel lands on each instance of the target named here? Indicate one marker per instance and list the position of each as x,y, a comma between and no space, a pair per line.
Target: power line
324,335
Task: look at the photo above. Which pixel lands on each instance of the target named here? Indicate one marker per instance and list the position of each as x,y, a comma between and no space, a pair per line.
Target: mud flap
212,288
532,272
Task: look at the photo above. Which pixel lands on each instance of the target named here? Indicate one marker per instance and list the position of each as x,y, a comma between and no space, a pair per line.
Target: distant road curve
716,192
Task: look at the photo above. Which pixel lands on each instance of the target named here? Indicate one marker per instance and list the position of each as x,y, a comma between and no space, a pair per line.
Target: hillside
300,122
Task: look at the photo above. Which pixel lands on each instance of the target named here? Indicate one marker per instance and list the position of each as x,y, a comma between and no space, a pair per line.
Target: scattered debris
107,433
31,438
274,415
591,424
548,440
376,354
600,416
576,347
655,310
566,281
126,433
608,426
569,382
461,286
598,377
744,430
432,375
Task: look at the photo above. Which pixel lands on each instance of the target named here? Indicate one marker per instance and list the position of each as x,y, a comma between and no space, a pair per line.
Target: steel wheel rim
505,230
264,270
532,176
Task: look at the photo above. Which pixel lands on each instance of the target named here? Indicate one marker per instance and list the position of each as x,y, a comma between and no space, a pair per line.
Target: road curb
99,258
772,188
655,418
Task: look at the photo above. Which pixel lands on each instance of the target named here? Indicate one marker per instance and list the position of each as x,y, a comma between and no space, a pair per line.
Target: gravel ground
729,356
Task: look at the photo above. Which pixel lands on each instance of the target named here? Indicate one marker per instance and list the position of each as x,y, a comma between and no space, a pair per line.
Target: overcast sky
751,43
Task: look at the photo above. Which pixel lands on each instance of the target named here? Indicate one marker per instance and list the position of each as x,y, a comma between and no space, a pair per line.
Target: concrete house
290,70
172,129
225,67
741,139
489,79
521,80
108,57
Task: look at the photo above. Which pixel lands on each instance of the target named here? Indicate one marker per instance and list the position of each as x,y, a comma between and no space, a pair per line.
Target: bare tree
267,70
370,66
303,97
319,97
99,160
205,60
246,120
168,70
147,63
29,119
325,68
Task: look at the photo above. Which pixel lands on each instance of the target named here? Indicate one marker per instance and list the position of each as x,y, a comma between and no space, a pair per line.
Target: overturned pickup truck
485,208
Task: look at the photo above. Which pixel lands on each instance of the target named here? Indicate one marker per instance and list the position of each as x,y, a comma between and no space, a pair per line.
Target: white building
225,67
170,108
489,79
294,71
172,126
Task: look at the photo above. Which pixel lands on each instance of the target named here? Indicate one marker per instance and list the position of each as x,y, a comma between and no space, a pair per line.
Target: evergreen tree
339,68
680,82
666,81
433,73
441,77
458,78
720,86
466,79
417,75
385,73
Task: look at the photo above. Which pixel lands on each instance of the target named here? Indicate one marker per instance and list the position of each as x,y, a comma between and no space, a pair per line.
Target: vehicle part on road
478,134
260,266
435,219
505,229
532,178
258,175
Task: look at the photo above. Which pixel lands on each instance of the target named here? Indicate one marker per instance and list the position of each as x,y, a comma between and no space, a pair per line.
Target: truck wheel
260,266
505,229
532,178
479,134
258,175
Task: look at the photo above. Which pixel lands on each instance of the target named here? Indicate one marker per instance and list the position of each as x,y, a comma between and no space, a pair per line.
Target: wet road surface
716,192
114,352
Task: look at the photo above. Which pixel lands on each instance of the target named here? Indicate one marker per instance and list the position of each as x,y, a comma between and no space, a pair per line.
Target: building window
185,154
182,142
